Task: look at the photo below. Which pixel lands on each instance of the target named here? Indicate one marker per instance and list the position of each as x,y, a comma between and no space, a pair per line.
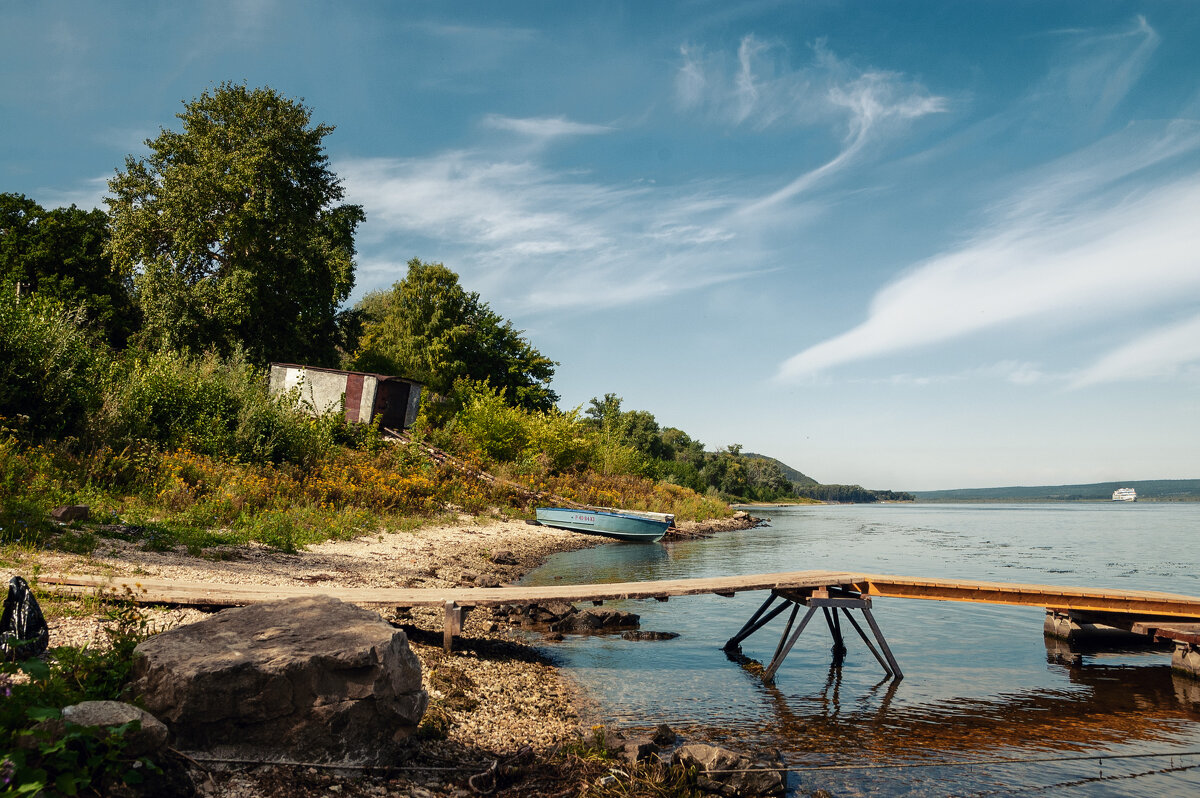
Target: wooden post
882,662
835,631
452,625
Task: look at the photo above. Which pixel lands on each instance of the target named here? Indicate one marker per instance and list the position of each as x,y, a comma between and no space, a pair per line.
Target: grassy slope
797,478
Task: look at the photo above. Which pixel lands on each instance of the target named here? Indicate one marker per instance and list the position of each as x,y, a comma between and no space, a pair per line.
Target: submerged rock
639,634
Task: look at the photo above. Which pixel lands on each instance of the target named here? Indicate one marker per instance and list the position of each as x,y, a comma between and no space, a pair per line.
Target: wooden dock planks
1063,598
158,591
1135,602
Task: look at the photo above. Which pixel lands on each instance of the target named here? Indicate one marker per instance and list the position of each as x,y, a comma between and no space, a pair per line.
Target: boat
1124,495
628,525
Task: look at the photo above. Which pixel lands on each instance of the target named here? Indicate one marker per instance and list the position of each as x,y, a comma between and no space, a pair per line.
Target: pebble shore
495,697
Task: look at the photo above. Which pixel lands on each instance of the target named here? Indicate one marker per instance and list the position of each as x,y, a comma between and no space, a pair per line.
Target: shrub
534,441
49,366
215,406
41,755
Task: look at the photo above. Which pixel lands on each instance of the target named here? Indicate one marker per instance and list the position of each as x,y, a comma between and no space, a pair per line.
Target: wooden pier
834,593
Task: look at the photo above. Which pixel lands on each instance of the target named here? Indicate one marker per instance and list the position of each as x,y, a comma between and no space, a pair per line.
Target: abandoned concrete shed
367,395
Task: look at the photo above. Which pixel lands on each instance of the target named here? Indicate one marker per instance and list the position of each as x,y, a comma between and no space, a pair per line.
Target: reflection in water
981,683
1120,709
1118,706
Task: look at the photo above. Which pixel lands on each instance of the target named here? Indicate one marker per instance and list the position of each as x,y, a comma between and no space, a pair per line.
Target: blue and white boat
627,525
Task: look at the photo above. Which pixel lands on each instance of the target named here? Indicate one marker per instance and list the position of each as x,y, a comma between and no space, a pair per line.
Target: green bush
215,406
496,430
535,441
49,366
41,755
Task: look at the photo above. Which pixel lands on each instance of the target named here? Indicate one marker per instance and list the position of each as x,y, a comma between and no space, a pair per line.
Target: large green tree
235,232
59,254
429,328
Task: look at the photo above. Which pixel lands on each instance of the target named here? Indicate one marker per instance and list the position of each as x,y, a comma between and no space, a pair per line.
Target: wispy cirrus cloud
1096,70
760,89
1163,352
565,239
87,195
1011,371
1081,243
537,237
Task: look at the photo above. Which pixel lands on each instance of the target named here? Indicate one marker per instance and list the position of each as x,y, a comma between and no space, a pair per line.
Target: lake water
980,682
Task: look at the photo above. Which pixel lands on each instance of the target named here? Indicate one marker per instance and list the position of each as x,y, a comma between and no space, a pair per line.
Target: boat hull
630,528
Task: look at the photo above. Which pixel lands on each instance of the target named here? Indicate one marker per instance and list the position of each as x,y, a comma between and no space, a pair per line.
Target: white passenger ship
1124,495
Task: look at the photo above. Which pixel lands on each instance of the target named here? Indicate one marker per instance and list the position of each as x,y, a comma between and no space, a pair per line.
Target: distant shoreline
1148,490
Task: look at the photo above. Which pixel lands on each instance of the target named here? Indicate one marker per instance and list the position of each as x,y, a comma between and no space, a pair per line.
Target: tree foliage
234,230
672,455
429,328
59,253
50,368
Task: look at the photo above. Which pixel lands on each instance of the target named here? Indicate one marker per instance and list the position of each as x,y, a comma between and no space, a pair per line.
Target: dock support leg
838,649
750,627
452,625
870,646
887,652
829,606
787,629
769,673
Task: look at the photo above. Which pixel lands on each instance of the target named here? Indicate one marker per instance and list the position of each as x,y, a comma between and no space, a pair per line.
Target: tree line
231,237
231,240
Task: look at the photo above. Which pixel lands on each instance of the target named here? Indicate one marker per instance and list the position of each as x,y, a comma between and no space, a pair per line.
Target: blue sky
906,245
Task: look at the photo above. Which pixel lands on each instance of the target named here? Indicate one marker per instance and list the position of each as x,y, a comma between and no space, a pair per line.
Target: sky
908,245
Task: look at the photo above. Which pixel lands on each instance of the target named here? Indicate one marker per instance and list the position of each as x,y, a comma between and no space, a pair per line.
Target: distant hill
794,476
1162,490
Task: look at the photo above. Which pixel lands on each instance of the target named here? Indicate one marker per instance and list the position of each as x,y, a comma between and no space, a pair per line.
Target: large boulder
730,773
313,679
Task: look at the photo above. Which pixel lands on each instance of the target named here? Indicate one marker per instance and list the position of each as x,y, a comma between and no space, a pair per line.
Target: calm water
981,682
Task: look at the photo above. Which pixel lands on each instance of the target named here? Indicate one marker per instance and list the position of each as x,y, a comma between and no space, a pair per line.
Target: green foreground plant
44,754
611,776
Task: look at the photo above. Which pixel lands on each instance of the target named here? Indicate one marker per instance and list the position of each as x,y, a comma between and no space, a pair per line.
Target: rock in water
730,773
313,679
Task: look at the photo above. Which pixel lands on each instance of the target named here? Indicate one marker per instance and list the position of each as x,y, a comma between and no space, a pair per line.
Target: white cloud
1010,371
88,195
1113,251
544,128
1096,71
1163,352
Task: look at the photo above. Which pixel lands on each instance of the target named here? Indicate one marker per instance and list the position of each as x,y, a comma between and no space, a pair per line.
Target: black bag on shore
23,629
